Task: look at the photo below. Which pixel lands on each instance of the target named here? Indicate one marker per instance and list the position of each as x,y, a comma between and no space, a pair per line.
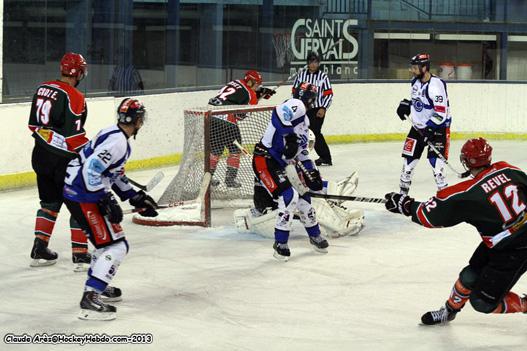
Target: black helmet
306,92
312,56
130,110
421,60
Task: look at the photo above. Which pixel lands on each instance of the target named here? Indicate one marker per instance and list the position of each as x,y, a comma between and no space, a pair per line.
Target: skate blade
40,262
81,267
280,257
111,299
89,315
319,250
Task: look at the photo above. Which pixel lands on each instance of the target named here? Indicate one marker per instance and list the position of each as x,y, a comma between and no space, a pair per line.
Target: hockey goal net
216,142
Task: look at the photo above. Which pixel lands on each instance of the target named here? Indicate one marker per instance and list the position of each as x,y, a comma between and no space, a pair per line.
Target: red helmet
73,65
253,75
476,153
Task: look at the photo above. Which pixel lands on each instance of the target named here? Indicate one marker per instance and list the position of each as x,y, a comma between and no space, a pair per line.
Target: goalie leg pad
104,265
338,221
263,225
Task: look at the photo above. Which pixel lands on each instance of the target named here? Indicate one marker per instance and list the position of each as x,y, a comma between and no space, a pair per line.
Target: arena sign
332,39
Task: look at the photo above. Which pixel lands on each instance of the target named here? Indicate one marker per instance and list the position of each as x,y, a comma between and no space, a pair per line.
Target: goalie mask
311,140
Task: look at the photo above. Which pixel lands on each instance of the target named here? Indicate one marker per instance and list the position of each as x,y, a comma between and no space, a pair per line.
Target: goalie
335,218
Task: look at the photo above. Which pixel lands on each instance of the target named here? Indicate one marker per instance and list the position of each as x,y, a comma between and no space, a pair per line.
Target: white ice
215,289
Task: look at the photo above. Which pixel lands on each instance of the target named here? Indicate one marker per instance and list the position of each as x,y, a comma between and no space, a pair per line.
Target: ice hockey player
97,171
224,129
57,117
429,112
335,218
285,142
494,202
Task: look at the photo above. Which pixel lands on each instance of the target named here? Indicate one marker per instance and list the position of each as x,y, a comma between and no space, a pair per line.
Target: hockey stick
376,200
151,184
434,149
242,149
203,188
292,76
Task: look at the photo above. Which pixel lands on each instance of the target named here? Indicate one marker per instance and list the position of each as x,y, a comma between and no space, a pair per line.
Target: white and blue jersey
430,105
288,118
99,168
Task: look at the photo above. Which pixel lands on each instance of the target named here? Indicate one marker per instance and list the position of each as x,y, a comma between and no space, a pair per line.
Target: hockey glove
266,93
109,207
398,203
404,109
313,179
291,146
143,200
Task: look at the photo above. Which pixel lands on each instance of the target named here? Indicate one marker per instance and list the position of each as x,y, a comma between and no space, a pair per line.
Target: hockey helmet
421,60
312,57
73,65
476,153
306,92
130,110
254,76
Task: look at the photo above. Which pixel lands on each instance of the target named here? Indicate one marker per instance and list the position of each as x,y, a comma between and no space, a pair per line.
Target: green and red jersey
494,202
57,118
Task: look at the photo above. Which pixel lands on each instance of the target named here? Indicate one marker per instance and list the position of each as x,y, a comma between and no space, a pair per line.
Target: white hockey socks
406,174
438,167
104,265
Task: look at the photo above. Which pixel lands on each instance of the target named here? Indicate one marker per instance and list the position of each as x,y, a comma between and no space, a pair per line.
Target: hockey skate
41,255
323,162
92,308
111,294
281,251
319,243
230,178
81,262
442,316
232,183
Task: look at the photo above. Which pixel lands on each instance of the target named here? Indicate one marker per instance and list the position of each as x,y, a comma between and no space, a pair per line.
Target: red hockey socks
459,296
44,224
79,242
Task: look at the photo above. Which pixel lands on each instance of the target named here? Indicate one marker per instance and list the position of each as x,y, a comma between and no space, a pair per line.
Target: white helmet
311,140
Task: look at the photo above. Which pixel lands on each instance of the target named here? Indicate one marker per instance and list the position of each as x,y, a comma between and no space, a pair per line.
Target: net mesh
282,47
233,176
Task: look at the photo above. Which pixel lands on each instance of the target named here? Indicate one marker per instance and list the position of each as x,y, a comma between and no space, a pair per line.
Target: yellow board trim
25,179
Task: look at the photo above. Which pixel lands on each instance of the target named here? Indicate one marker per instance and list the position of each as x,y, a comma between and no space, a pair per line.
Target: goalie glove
109,207
398,203
404,109
143,200
313,179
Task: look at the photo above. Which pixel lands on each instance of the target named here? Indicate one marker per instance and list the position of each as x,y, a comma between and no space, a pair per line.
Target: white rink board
214,289
357,109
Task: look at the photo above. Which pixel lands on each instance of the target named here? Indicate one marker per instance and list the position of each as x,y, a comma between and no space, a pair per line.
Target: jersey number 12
508,203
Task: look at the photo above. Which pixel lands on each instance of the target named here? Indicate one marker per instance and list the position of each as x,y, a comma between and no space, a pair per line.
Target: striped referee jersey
319,79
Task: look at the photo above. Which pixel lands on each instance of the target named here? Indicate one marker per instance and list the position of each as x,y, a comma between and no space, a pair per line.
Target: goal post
210,150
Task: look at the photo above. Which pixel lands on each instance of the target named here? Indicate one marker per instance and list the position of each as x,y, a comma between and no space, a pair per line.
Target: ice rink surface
215,289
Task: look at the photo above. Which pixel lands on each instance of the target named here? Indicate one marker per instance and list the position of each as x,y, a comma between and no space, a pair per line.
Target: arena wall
360,112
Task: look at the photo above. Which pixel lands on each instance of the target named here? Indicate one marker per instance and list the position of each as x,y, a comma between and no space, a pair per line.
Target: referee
317,112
